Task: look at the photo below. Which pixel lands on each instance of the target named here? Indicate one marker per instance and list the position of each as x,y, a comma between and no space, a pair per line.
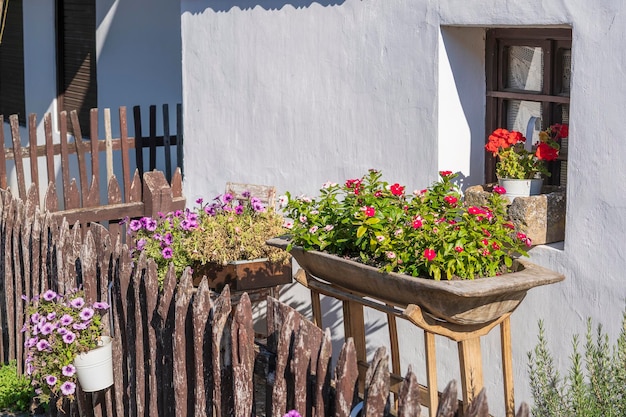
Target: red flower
495,246
370,211
475,210
417,222
509,225
487,232
450,200
499,190
559,131
485,242
546,152
445,173
429,254
397,189
378,194
502,139
459,249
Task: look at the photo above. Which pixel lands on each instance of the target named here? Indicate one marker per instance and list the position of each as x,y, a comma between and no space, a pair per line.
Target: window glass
525,68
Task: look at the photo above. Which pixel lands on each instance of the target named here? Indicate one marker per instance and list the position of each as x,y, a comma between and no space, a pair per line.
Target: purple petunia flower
77,302
51,380
80,326
101,305
141,244
49,295
258,207
168,239
239,209
199,201
29,368
178,213
51,316
185,224
69,337
66,319
68,388
167,253
68,370
43,344
35,318
62,330
135,225
86,314
292,413
227,198
31,342
151,225
47,328
246,194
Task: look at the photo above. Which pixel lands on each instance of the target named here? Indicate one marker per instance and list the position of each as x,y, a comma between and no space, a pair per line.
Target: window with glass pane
528,86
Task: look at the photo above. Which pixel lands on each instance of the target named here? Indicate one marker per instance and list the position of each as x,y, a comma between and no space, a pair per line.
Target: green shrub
16,391
594,384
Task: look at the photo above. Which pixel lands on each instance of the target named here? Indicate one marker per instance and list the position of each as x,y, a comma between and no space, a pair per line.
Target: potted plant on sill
223,239
429,249
63,331
519,170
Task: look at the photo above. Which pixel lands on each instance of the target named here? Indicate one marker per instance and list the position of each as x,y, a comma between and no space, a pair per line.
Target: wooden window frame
497,42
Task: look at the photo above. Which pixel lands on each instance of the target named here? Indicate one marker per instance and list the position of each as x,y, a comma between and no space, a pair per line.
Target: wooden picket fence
182,350
81,199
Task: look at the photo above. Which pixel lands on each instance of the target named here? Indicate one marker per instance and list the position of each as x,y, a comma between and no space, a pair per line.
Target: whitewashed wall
294,93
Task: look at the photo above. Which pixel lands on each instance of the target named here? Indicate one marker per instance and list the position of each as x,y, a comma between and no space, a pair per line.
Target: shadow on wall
225,5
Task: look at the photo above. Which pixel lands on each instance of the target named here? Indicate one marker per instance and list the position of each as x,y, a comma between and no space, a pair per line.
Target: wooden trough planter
462,301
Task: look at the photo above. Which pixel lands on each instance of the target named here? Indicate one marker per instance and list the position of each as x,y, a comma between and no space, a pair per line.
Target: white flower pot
94,369
520,188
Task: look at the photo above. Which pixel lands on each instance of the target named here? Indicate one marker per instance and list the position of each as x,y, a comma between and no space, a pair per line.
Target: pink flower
313,229
370,211
380,238
397,189
68,388
390,255
288,224
417,222
445,173
429,254
451,200
499,190
459,249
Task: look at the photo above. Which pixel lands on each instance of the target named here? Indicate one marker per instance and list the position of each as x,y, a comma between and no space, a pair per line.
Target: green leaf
361,231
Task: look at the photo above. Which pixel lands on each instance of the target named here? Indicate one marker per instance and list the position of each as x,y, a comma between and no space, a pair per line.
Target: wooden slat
322,377
141,390
506,347
221,312
93,198
242,336
152,142
166,142
203,391
184,401
346,379
125,148
80,155
152,295
300,365
279,388
49,148
108,141
3,167
409,396
65,168
431,372
377,384
17,150
32,146
9,154
138,140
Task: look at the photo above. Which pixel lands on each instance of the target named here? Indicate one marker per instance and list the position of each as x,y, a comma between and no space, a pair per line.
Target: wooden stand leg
507,366
316,306
470,359
431,373
354,326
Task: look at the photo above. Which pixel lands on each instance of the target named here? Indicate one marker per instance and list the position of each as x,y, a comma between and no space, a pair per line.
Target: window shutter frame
12,97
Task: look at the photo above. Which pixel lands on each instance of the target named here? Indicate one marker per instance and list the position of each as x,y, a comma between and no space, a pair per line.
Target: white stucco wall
294,93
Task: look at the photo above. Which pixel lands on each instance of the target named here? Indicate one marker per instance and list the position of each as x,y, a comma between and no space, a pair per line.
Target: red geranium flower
546,152
397,189
430,254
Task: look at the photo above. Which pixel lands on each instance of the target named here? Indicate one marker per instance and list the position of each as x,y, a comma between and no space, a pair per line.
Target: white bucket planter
520,188
94,369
